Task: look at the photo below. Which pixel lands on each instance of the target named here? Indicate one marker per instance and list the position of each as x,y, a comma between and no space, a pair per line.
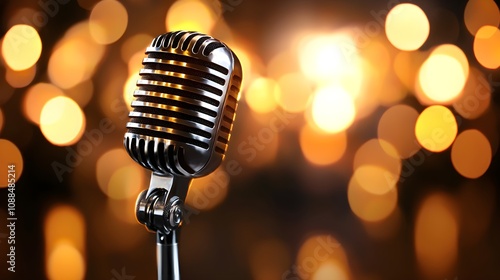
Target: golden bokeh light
397,126
118,176
436,128
207,192
476,96
367,205
333,109
20,79
327,57
11,159
330,270
64,222
471,154
62,121
374,179
322,250
135,62
407,27
75,57
261,95
65,262
378,152
135,44
486,46
36,97
320,148
295,92
479,13
190,15
106,29
436,236
21,47
442,78
455,52
268,259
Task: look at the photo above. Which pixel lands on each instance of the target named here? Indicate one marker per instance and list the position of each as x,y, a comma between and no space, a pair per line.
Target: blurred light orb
486,46
11,156
65,263
36,97
455,52
20,79
75,57
21,47
479,13
333,109
327,57
190,15
330,270
261,95
368,205
471,154
441,78
106,28
436,236
64,222
374,179
62,121
118,176
407,27
436,128
321,148
378,152
125,182
295,92
397,126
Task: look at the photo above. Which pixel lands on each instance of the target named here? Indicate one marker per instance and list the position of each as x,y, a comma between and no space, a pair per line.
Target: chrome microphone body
179,127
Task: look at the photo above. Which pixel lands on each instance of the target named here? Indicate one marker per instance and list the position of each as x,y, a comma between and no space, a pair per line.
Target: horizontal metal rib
181,67
188,59
158,109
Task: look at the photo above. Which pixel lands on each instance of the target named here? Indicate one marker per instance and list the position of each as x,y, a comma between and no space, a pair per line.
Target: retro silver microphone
179,127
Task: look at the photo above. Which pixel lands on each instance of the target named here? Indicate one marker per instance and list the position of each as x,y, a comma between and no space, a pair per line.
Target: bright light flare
436,128
21,47
62,121
442,78
333,109
407,27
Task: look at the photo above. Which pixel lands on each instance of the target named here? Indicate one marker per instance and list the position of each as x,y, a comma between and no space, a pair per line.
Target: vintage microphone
179,128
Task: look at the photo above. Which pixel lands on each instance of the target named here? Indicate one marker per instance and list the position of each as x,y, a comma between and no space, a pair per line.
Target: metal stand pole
160,209
167,255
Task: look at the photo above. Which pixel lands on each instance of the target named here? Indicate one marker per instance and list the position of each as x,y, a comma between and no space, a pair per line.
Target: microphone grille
186,99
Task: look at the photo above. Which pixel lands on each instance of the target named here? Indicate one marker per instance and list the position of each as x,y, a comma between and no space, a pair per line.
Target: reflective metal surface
185,105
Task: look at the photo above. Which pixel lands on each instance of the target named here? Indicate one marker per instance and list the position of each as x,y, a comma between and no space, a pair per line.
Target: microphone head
185,104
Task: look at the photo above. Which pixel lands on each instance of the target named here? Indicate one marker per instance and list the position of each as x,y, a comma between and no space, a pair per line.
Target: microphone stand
161,209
